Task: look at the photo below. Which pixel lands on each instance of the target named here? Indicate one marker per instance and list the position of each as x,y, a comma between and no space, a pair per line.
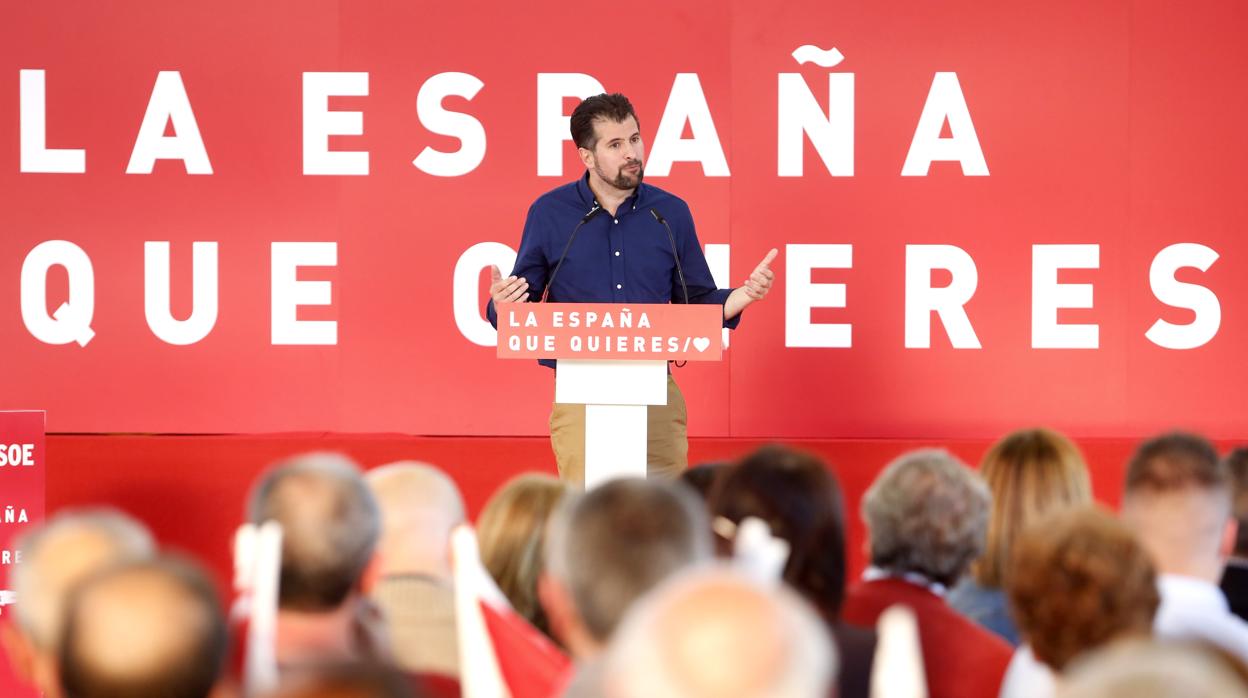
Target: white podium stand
612,358
617,396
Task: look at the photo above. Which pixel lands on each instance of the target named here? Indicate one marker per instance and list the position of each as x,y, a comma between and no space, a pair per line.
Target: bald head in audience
420,506
55,556
713,633
143,629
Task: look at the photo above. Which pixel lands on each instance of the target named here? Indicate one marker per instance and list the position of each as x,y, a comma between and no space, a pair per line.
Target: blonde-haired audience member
1078,580
511,531
56,556
1177,501
1030,473
714,633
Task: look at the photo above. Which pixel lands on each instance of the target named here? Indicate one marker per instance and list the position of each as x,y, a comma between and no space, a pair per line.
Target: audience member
1154,669
1030,474
64,550
1078,580
330,525
143,629
713,633
1235,577
798,497
702,476
349,680
926,516
511,532
605,549
1177,500
410,578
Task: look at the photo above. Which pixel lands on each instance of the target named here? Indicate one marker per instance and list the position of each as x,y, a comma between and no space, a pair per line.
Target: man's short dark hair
330,524
613,107
1175,461
619,540
166,592
1237,468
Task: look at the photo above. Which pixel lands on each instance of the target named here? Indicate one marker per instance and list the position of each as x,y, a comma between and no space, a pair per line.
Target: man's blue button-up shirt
622,259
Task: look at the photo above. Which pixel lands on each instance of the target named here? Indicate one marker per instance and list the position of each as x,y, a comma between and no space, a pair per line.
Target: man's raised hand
508,290
759,283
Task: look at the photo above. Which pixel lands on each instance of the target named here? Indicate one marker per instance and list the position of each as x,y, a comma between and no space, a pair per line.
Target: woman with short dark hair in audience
1030,473
1078,580
800,499
511,530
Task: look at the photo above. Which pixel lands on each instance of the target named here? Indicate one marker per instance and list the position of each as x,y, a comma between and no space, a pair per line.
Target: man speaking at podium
608,238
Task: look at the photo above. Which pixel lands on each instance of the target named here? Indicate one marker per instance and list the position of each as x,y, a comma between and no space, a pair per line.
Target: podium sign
612,359
23,478
610,331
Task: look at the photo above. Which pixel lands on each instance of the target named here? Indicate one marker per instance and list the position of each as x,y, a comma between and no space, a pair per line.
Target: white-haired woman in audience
1031,473
926,515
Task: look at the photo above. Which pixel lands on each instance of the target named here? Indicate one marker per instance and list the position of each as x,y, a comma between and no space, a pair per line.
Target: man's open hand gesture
509,290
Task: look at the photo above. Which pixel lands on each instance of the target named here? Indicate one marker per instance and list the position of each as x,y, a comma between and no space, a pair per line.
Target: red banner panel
252,217
23,487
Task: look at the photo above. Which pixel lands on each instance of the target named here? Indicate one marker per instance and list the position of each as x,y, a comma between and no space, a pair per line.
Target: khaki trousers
667,438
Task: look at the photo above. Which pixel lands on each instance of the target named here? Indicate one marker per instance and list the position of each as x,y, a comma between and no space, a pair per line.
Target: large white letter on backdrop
36,156
801,295
466,301
319,123
1200,300
949,302
169,103
467,129
687,103
945,102
1047,295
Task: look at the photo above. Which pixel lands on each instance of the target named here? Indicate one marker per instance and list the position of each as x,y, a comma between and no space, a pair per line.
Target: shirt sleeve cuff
720,296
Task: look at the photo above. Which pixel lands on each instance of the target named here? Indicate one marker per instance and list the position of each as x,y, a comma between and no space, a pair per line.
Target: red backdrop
1113,124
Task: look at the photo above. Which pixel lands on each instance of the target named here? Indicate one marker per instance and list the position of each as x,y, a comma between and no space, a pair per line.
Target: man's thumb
495,274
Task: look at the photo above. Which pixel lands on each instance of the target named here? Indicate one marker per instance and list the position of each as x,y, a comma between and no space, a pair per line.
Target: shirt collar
873,573
1191,592
591,202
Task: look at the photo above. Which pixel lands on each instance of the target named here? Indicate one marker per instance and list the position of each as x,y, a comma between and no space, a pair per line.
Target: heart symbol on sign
701,343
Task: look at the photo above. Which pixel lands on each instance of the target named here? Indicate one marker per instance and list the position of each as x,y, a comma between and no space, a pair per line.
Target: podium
612,358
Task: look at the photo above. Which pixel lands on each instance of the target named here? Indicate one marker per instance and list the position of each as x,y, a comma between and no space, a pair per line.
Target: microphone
672,239
584,219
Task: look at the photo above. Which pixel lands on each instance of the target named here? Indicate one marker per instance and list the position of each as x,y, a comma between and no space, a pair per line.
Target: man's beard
628,181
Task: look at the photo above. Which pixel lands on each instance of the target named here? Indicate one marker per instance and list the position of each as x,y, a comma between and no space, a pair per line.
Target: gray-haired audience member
420,506
145,629
1235,577
927,516
607,548
1177,501
55,556
713,633
1153,669
330,524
